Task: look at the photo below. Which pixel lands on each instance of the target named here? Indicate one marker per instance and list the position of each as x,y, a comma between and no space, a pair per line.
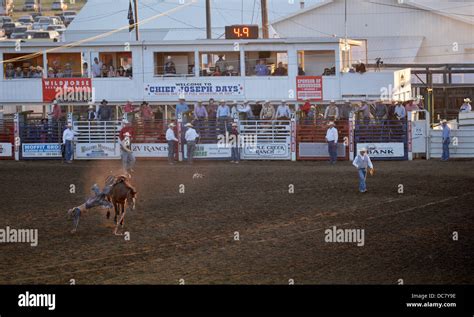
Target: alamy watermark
228,141
336,235
11,235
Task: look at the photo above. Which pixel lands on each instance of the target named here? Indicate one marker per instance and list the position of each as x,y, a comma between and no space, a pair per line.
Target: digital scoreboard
241,32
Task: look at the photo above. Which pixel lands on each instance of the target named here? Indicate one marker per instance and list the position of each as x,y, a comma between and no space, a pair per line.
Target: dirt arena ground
190,236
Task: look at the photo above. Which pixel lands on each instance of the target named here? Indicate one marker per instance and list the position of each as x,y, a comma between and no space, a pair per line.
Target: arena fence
7,138
385,140
97,140
149,139
311,140
41,139
266,139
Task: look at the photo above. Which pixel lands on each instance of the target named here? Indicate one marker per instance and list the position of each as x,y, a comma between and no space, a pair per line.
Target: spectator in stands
129,111
9,71
59,73
267,112
170,67
128,68
411,106
235,144
146,111
332,138
200,112
182,109
221,64
104,71
51,72
364,110
283,111
223,114
191,137
68,138
400,112
301,71
85,70
172,140
312,113
121,72
261,68
280,70
111,72
246,110
31,72
104,113
446,136
305,108
97,68
68,71
39,72
18,73
332,112
381,112
91,113
217,71
360,67
466,106
57,112
212,109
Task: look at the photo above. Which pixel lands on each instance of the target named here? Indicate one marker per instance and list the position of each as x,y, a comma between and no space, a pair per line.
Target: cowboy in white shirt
332,137
68,138
400,112
171,139
191,137
362,162
466,107
283,111
247,109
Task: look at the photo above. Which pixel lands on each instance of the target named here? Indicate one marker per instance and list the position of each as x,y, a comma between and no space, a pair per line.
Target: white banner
189,88
41,150
97,151
150,149
209,151
267,151
383,150
6,150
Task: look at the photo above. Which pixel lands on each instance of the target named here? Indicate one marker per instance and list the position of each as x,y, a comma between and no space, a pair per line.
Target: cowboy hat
127,134
171,125
181,98
234,124
222,101
331,123
55,102
333,101
444,121
189,125
104,101
467,100
364,149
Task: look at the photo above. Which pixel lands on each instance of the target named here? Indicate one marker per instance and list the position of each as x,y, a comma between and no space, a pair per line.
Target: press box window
267,63
15,67
316,63
220,64
174,64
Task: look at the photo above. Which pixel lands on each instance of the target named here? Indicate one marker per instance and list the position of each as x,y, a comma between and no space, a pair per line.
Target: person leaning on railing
332,112
267,112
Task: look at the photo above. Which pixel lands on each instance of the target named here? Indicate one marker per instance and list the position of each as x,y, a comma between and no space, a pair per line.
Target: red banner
309,87
67,89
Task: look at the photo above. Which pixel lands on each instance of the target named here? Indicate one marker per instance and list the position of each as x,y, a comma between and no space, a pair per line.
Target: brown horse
123,196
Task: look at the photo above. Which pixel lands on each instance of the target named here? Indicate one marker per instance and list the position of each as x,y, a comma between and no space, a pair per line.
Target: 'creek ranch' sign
187,88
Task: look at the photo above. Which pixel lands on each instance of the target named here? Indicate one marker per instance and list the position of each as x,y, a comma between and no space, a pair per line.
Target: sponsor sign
313,150
6,150
383,150
67,89
233,88
41,150
97,151
267,151
309,87
209,151
150,149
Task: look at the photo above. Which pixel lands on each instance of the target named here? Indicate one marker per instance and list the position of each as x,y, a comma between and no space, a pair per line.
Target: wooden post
264,19
135,3
208,20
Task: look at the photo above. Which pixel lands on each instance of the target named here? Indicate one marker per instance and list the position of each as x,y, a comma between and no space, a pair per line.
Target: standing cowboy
446,140
191,136
362,162
68,139
128,159
466,106
332,138
171,139
235,144
332,112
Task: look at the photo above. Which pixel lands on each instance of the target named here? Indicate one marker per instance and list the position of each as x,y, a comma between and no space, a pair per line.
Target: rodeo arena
241,142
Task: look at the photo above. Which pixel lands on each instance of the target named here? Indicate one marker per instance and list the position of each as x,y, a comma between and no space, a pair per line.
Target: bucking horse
118,193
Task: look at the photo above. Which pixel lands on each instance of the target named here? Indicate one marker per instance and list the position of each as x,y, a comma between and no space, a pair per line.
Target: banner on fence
309,87
267,151
41,150
67,89
383,150
97,151
234,88
150,149
209,151
6,149
319,150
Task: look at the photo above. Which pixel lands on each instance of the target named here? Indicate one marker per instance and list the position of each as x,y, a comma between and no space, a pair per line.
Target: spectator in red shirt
306,107
129,110
57,113
146,111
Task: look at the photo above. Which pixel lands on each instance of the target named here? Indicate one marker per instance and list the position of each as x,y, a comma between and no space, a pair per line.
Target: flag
131,20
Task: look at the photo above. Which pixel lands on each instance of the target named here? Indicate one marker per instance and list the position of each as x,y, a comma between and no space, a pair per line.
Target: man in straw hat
466,106
235,144
172,140
331,112
191,136
182,109
332,138
446,138
68,139
362,162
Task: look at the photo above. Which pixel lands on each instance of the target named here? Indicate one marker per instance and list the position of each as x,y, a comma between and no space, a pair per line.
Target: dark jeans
191,148
171,147
332,149
69,150
235,153
445,155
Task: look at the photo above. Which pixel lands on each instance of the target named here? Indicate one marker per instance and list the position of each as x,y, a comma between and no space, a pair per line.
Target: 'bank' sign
201,88
383,150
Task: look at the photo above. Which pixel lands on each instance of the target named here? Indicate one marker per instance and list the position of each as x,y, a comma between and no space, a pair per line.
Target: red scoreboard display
241,32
